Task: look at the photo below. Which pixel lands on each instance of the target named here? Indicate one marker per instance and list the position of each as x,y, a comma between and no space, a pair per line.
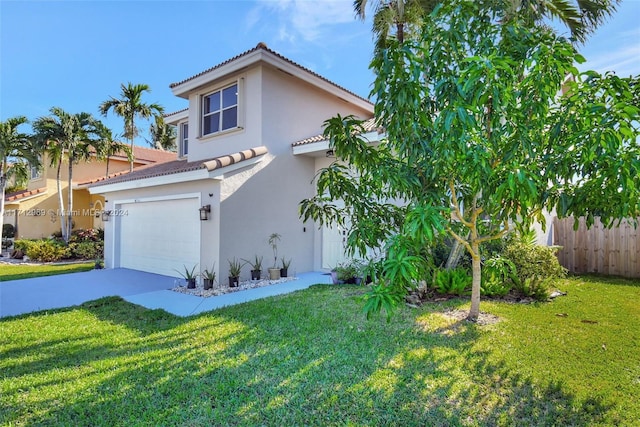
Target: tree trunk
400,29
70,201
132,158
475,286
454,256
3,186
63,219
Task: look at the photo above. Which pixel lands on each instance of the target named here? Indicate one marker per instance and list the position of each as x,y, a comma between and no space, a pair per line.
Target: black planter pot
283,272
191,283
255,274
233,282
208,284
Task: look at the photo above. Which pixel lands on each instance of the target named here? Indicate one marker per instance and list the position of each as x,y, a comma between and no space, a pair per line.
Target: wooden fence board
613,251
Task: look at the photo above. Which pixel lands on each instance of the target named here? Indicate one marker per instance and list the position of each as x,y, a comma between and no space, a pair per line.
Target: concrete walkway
145,289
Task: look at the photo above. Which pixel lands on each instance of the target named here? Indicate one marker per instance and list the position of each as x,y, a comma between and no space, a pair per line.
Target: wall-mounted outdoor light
329,153
106,215
204,212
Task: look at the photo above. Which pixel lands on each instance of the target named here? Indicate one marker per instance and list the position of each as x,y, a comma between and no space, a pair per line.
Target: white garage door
160,236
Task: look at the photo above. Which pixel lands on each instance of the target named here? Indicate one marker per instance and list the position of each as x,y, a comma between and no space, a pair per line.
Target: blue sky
75,54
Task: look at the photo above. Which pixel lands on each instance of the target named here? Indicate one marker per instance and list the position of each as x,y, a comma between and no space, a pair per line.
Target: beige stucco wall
263,200
250,108
38,216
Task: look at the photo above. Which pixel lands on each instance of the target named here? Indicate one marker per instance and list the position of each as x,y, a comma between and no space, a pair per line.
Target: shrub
536,288
453,282
88,235
47,251
87,249
534,260
23,245
498,276
8,231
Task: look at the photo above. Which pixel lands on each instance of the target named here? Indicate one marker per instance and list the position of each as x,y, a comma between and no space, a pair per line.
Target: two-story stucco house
249,150
35,211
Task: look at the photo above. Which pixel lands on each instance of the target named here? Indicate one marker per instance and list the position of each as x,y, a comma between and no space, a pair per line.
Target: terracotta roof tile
263,46
368,125
19,195
182,165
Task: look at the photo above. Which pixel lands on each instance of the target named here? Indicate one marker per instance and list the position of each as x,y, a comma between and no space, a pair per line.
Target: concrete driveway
65,290
146,289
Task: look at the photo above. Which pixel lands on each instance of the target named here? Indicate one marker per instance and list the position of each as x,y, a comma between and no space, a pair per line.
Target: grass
23,271
310,358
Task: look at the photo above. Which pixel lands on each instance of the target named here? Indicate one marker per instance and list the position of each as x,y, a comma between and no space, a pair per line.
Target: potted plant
235,267
189,276
209,277
334,275
284,271
274,272
346,273
256,267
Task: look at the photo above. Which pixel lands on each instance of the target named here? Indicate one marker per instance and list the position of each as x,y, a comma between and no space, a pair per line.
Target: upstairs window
36,171
220,110
184,139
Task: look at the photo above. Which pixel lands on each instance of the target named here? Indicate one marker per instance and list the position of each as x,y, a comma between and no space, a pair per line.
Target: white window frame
221,110
184,140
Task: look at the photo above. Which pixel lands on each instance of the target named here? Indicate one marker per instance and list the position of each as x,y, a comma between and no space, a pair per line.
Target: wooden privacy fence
614,251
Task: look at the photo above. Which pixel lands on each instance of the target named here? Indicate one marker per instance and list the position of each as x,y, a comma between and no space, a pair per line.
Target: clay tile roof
19,195
182,165
149,155
102,178
263,46
153,155
368,125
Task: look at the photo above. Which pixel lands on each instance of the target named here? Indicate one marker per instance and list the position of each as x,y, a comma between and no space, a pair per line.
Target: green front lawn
310,358
22,271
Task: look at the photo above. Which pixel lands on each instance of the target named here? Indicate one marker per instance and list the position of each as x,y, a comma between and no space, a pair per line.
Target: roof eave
252,58
183,89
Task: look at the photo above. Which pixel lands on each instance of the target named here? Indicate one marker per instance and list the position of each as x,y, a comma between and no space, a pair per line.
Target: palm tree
107,145
395,15
130,106
581,17
65,137
17,156
163,136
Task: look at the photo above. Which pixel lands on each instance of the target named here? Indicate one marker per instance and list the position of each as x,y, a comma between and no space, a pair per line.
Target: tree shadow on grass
304,359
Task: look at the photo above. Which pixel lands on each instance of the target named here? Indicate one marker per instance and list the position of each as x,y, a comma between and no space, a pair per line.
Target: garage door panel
160,236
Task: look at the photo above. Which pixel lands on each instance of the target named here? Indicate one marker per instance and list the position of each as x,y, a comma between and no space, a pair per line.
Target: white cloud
621,55
305,20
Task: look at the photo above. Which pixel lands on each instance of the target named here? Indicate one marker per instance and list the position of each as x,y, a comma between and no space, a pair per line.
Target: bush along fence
611,251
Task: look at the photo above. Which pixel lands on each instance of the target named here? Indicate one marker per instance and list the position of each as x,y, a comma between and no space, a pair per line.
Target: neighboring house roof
182,165
368,125
148,155
102,178
263,47
23,195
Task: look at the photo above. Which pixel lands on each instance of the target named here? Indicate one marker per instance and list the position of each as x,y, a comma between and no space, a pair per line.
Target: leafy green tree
66,137
17,156
478,139
163,136
130,106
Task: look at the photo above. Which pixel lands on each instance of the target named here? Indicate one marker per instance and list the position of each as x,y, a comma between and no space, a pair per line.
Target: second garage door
160,236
